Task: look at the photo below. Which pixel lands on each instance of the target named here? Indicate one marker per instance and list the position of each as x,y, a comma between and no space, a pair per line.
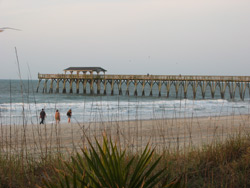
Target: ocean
21,104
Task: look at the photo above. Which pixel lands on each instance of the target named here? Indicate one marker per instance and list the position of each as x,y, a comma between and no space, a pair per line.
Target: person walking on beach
42,116
69,114
57,116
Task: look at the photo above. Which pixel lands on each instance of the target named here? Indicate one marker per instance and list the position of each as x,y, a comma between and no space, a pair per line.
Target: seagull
3,28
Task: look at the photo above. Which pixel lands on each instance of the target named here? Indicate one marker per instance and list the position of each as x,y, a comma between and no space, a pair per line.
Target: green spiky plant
108,166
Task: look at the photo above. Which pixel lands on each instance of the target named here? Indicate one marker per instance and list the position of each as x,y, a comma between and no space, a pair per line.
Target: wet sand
174,134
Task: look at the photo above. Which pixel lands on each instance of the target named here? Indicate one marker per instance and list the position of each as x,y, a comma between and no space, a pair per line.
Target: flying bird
3,28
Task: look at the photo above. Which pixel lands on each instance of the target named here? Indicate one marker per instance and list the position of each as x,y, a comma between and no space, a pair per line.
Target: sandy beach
174,134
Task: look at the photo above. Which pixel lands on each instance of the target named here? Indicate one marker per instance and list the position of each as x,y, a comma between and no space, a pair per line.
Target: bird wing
3,28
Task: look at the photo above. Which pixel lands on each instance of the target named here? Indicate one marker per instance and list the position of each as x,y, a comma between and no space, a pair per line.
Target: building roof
86,69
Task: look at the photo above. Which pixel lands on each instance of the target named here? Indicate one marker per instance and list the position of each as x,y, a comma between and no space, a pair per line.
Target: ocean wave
90,110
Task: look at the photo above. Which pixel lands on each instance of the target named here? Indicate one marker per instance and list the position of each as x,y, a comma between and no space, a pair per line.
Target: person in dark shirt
42,116
69,114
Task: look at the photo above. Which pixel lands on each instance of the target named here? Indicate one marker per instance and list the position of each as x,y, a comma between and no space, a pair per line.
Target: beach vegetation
107,165
110,166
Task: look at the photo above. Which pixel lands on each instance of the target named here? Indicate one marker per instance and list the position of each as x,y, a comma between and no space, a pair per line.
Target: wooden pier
97,84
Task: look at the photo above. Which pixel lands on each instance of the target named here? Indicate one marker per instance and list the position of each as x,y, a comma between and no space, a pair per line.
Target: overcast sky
188,37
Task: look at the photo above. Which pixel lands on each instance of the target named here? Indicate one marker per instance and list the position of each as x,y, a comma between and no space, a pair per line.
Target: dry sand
174,134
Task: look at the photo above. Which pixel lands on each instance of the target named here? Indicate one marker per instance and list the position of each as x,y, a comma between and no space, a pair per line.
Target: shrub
109,166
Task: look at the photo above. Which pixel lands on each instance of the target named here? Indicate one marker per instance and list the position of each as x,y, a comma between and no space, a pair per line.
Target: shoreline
172,133
130,120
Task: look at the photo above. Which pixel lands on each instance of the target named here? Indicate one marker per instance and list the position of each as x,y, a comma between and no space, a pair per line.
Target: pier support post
143,88
45,86
104,87
232,88
135,89
222,86
203,89
248,85
37,88
213,89
159,89
185,87
168,88
195,85
127,89
84,86
77,85
51,86
151,88
64,85
177,84
242,90
92,86
57,85
71,86
112,87
98,87
120,87
212,85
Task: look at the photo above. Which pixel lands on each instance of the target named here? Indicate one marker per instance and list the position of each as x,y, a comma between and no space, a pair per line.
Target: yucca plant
108,166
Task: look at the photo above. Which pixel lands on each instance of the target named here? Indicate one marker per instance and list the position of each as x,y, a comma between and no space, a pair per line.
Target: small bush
109,166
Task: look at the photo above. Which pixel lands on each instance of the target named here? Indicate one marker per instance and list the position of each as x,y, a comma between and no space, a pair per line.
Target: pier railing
95,81
147,77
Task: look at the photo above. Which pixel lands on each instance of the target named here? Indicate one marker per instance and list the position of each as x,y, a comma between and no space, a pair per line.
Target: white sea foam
103,110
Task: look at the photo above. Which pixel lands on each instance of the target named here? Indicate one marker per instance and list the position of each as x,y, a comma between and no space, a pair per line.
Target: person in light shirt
57,116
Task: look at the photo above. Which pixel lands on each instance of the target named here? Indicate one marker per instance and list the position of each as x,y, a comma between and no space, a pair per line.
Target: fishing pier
94,81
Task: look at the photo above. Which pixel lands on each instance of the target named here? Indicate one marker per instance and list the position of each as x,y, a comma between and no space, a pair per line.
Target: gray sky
188,37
